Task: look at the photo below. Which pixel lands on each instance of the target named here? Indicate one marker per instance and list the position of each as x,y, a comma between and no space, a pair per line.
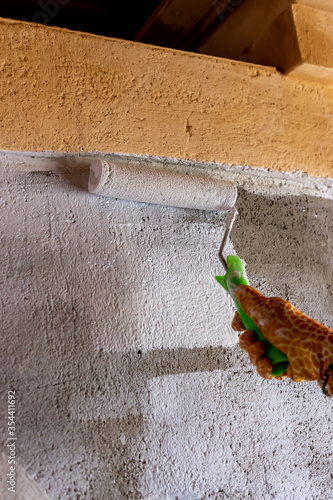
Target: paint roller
165,187
148,185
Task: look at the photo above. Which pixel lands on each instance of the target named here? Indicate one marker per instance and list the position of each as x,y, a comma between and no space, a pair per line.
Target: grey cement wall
130,383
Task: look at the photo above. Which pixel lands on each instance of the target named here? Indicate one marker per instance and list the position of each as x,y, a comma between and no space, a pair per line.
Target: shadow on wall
286,242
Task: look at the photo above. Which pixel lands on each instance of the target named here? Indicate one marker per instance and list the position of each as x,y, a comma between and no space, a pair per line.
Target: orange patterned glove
307,343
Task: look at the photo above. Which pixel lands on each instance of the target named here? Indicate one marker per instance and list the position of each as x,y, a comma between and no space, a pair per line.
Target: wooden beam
283,35
299,35
234,36
173,21
69,91
317,4
314,29
277,45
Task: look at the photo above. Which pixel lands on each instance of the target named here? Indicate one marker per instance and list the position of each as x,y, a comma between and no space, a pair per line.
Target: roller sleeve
160,186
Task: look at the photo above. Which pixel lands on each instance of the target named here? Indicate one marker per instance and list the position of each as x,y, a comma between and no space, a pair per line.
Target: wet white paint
117,338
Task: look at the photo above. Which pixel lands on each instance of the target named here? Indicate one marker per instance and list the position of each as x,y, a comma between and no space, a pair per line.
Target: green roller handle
234,276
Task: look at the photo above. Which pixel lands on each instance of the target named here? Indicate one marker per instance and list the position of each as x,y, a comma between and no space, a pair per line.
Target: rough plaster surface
69,91
130,381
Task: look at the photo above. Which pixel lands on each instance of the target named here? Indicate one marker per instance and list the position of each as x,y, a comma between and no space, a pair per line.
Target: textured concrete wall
129,380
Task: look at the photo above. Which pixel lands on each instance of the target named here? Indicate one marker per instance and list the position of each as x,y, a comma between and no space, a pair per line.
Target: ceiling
246,30
180,24
112,18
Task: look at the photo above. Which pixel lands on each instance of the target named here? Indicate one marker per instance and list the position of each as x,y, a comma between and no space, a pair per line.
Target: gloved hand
307,343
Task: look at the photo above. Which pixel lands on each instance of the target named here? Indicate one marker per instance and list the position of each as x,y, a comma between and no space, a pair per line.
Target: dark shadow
286,242
75,171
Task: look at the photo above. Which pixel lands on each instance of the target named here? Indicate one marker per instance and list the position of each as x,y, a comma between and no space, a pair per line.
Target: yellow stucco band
69,91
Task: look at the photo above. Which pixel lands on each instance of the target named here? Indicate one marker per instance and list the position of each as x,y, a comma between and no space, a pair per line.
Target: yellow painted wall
69,91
